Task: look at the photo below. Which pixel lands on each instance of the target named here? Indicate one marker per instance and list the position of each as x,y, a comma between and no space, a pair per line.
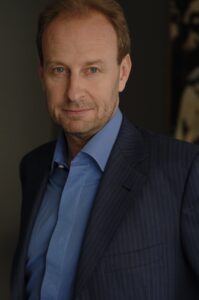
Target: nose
74,88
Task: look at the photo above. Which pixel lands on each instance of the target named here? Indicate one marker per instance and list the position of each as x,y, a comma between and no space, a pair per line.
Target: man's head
80,68
109,8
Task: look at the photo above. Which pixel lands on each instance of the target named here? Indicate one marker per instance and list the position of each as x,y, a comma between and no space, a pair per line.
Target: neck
75,144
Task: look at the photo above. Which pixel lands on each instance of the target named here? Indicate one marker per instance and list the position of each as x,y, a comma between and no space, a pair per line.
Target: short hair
109,8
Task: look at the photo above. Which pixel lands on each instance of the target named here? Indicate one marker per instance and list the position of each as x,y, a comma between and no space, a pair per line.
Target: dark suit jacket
142,238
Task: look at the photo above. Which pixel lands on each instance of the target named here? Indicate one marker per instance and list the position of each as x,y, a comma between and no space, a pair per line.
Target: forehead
89,35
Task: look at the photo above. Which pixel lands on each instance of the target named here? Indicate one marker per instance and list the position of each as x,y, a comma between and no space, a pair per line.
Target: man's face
80,73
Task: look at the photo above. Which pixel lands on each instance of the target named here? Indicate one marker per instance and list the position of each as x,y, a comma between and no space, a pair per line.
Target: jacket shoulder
169,154
161,148
40,151
38,158
168,144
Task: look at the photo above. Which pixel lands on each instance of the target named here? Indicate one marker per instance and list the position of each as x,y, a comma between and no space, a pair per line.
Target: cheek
107,103
54,86
54,94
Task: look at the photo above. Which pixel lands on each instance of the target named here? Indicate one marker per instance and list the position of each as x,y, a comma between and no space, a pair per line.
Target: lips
76,111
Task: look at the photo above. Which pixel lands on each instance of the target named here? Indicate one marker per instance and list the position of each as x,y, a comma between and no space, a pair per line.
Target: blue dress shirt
59,228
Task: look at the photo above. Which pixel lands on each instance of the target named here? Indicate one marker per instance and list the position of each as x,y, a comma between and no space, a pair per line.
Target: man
109,211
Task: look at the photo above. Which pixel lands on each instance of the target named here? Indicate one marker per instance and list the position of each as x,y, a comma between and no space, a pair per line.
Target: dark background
24,123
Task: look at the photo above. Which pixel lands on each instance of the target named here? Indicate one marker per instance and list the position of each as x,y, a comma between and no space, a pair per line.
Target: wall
146,100
24,122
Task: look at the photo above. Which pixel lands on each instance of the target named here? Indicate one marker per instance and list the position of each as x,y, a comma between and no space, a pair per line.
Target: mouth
76,112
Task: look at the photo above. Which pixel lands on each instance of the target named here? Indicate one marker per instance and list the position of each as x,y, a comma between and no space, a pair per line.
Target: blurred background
164,36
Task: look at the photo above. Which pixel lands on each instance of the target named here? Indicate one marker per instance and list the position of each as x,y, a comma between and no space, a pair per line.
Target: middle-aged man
109,211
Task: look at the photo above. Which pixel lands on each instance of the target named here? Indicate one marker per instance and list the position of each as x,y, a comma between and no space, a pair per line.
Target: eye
58,70
93,70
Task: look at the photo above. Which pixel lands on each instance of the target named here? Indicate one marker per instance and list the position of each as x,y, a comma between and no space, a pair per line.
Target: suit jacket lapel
125,172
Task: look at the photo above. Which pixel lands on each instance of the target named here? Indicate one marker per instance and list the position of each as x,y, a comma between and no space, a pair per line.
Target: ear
41,76
125,69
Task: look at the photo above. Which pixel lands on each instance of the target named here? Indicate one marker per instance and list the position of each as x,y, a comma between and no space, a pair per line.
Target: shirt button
61,166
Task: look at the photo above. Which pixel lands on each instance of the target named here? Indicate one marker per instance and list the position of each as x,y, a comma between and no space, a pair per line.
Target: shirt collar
101,144
98,147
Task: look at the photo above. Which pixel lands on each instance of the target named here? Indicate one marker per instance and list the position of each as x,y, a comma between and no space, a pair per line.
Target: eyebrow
88,63
49,62
98,61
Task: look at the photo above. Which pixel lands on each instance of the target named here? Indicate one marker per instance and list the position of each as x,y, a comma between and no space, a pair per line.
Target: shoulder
159,147
40,152
38,158
162,147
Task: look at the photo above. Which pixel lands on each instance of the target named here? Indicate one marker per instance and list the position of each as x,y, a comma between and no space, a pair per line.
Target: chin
73,129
